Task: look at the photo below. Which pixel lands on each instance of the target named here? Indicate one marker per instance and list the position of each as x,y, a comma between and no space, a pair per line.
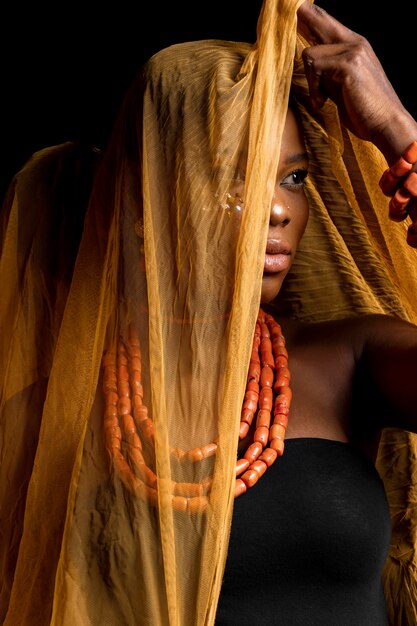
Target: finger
318,26
412,235
314,80
412,229
319,63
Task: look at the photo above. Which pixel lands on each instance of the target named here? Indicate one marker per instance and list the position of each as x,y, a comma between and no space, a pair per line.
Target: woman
135,378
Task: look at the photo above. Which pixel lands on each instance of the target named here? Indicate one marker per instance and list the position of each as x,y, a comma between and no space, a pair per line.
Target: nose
280,212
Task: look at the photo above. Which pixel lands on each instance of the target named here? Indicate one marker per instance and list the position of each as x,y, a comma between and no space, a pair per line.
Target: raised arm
341,65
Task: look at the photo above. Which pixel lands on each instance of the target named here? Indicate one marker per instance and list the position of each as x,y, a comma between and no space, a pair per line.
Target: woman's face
289,209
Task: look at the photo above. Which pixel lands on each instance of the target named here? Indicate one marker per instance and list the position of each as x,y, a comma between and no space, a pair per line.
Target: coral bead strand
129,429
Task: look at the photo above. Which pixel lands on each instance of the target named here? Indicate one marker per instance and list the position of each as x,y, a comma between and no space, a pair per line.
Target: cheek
302,219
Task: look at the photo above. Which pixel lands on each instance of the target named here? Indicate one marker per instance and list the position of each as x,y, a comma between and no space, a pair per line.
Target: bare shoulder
351,366
361,334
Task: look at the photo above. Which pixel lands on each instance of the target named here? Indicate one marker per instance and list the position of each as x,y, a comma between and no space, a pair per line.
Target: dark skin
350,378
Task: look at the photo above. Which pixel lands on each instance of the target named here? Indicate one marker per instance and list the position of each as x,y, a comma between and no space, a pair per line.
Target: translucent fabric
127,332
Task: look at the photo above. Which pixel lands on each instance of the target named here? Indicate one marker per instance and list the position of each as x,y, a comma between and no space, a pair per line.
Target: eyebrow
296,157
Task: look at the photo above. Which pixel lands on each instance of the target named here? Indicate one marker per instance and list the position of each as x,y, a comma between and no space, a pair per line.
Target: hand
341,65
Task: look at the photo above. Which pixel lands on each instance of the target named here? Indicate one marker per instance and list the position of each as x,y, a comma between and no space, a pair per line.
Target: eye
295,180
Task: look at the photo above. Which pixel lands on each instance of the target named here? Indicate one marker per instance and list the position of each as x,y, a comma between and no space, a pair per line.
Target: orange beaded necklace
128,429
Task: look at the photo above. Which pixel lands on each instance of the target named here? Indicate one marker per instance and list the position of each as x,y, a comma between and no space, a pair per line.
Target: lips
277,256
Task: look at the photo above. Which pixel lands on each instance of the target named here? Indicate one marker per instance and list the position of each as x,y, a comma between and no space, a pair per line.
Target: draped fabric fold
129,322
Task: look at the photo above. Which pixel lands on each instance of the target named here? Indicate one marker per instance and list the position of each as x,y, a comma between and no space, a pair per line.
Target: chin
271,285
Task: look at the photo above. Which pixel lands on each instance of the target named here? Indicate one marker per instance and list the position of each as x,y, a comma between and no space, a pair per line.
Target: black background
65,67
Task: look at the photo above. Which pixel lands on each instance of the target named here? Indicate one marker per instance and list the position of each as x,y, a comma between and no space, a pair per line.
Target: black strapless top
308,542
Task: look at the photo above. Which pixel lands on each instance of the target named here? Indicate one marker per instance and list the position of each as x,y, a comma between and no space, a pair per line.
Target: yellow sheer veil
164,249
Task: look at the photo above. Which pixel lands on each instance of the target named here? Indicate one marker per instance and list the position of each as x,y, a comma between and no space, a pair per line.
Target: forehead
292,137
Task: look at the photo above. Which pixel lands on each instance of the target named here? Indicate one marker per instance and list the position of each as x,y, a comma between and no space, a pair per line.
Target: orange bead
283,400
135,355
137,403
282,379
252,385
281,361
265,331
177,454
250,403
240,487
188,489
123,388
146,427
136,455
135,441
277,445
280,350
198,504
124,406
268,456
241,466
124,471
267,358
209,450
266,345
110,385
253,451
114,447
109,359
250,478
400,167
179,503
254,371
247,415
122,359
282,408
276,432
281,419
140,413
136,384
112,431
255,356
410,153
110,411
122,372
265,398
135,364
276,332
111,398
146,474
260,467
410,183
401,198
267,376
195,454
110,374
128,424
243,430
261,435
263,418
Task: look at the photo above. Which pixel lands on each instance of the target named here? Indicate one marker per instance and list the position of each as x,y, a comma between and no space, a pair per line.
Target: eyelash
301,174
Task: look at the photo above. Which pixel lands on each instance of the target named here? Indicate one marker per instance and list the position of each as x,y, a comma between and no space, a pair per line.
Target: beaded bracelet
400,182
